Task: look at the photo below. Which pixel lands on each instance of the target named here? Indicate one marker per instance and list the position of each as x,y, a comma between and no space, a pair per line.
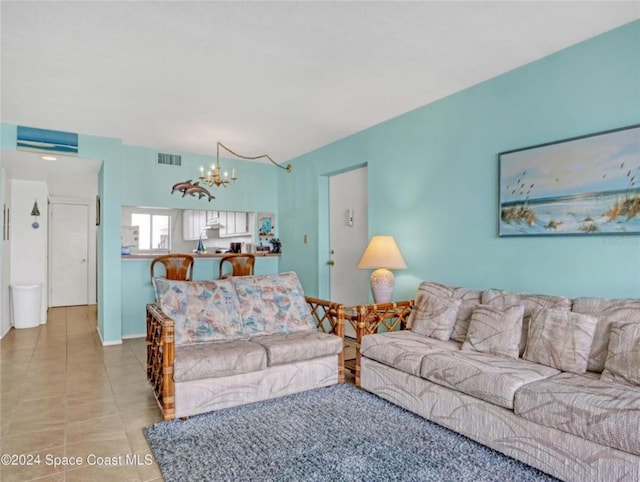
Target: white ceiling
66,176
30,165
281,78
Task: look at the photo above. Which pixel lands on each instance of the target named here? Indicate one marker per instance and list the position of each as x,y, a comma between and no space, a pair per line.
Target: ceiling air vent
169,159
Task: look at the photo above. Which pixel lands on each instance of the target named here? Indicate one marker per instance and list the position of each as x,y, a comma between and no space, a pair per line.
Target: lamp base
382,285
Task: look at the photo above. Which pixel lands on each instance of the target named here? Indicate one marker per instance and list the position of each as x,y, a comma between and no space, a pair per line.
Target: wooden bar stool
177,266
241,265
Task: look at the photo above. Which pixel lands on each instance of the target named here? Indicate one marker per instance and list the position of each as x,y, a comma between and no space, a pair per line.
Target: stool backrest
241,265
177,266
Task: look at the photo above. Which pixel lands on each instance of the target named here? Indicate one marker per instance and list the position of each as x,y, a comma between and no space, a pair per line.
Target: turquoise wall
130,176
433,179
144,183
108,235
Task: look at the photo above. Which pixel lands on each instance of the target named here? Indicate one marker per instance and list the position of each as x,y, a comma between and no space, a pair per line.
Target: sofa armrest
160,358
369,318
329,318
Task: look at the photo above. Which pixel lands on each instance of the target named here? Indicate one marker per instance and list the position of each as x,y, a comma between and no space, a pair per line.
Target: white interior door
348,236
5,314
69,267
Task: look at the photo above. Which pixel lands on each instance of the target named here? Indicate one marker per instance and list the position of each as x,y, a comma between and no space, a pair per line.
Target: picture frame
46,141
587,185
266,224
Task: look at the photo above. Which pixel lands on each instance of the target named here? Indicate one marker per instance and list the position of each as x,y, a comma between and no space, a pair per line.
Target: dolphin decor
192,188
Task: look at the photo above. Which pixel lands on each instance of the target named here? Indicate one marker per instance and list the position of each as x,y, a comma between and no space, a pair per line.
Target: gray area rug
340,433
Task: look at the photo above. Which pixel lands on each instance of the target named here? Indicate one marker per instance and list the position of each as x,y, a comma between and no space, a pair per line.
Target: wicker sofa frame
328,316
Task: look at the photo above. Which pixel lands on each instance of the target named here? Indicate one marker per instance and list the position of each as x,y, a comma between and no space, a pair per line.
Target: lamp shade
382,252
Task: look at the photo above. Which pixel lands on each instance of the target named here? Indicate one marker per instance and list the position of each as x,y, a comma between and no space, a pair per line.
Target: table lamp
382,254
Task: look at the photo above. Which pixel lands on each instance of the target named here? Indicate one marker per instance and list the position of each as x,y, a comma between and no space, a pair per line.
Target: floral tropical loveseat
216,344
548,380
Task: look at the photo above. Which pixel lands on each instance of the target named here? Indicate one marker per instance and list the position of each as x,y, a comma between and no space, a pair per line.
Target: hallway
65,395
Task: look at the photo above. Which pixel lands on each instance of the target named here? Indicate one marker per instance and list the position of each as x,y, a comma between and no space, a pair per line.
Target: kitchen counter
262,254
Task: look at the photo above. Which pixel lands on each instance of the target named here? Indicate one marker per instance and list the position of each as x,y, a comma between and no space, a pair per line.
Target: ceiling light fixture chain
287,168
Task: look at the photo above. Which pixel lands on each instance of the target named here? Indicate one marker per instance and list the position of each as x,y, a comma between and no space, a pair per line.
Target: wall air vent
169,159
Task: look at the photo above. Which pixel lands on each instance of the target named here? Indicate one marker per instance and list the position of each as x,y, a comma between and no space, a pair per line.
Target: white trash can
25,305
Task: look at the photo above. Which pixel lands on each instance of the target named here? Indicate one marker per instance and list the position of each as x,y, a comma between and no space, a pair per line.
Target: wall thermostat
348,217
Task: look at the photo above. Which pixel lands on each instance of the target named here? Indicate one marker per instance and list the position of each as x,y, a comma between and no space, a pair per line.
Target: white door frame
324,223
79,202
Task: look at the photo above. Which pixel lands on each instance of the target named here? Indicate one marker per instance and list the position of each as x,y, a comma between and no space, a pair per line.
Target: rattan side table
368,319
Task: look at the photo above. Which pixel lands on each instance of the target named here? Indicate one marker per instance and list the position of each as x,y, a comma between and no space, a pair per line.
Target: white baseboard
108,343
7,331
129,337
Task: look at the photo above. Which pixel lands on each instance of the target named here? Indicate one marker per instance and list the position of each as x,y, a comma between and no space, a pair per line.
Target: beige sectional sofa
550,381
216,344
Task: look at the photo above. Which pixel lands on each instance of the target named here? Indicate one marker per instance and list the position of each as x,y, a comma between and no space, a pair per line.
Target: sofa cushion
604,412
623,360
491,378
495,330
218,359
560,339
272,304
607,312
202,311
300,346
531,303
469,299
403,350
434,316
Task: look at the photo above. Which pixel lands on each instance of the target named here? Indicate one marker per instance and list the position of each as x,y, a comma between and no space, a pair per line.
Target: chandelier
215,175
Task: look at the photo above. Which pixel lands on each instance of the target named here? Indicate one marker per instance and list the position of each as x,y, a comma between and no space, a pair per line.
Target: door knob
331,262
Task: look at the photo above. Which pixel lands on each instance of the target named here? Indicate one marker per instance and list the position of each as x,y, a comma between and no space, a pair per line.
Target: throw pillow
623,360
202,311
469,299
273,303
495,330
606,311
532,304
434,317
561,339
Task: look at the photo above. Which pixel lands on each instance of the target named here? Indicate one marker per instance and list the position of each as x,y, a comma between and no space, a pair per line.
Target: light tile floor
62,394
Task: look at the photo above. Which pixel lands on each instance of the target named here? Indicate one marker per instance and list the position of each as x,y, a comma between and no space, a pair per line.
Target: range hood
214,224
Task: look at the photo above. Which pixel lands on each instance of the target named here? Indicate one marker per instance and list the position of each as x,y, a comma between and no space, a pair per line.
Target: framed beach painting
584,185
46,141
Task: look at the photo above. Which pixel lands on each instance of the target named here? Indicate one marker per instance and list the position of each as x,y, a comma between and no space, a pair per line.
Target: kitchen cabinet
197,222
194,223
236,223
230,225
242,223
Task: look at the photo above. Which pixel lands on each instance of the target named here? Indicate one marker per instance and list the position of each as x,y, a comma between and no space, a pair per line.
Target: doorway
67,180
69,254
348,236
